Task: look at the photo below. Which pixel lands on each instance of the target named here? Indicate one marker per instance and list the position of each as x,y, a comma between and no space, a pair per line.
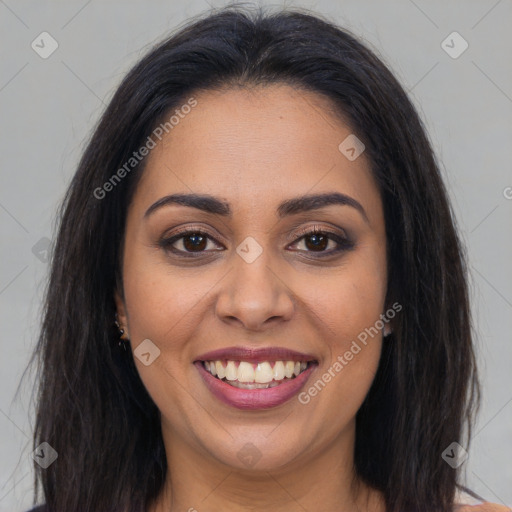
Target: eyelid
316,228
188,229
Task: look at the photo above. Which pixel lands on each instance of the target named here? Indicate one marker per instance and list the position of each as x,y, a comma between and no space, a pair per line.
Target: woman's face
252,285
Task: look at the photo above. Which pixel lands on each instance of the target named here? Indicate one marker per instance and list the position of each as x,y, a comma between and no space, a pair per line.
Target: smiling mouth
261,375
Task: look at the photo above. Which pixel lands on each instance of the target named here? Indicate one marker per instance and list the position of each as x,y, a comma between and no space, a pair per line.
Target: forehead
255,147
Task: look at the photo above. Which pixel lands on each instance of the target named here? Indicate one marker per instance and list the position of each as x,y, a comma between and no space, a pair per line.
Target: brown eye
194,242
317,241
187,243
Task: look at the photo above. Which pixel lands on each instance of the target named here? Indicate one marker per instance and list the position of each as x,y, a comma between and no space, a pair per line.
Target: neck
323,482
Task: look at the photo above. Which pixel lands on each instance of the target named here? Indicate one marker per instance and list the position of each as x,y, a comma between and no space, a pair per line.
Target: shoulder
467,500
483,507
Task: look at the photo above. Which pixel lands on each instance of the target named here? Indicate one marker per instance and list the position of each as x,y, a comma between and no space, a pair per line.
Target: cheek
348,310
348,299
348,305
164,303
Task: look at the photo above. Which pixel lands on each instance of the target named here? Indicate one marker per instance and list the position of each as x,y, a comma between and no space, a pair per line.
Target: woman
260,217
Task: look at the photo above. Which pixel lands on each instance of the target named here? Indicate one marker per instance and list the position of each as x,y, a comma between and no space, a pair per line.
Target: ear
387,329
121,312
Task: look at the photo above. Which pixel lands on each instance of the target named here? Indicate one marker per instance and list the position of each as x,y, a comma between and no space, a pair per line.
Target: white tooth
264,373
303,366
221,371
289,367
251,385
279,370
213,370
245,372
231,371
296,369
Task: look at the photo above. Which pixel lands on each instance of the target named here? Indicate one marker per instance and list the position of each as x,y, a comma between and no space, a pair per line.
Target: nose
254,295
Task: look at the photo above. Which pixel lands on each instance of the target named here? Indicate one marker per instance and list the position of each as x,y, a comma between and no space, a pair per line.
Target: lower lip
251,399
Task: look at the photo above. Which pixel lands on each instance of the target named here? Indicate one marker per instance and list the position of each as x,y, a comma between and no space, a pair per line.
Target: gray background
49,106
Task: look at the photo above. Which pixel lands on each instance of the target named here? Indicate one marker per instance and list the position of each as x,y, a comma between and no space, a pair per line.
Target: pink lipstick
251,379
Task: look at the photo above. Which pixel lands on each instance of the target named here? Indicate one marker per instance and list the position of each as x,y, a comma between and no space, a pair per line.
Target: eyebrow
211,204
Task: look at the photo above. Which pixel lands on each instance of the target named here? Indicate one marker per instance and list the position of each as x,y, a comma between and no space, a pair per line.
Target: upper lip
255,355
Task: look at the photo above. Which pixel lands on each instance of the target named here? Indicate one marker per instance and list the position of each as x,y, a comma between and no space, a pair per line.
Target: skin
254,148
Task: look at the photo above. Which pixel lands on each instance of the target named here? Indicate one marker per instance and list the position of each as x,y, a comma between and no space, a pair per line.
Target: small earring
121,343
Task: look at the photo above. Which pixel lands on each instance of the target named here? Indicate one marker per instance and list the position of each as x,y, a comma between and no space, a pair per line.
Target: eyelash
344,244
